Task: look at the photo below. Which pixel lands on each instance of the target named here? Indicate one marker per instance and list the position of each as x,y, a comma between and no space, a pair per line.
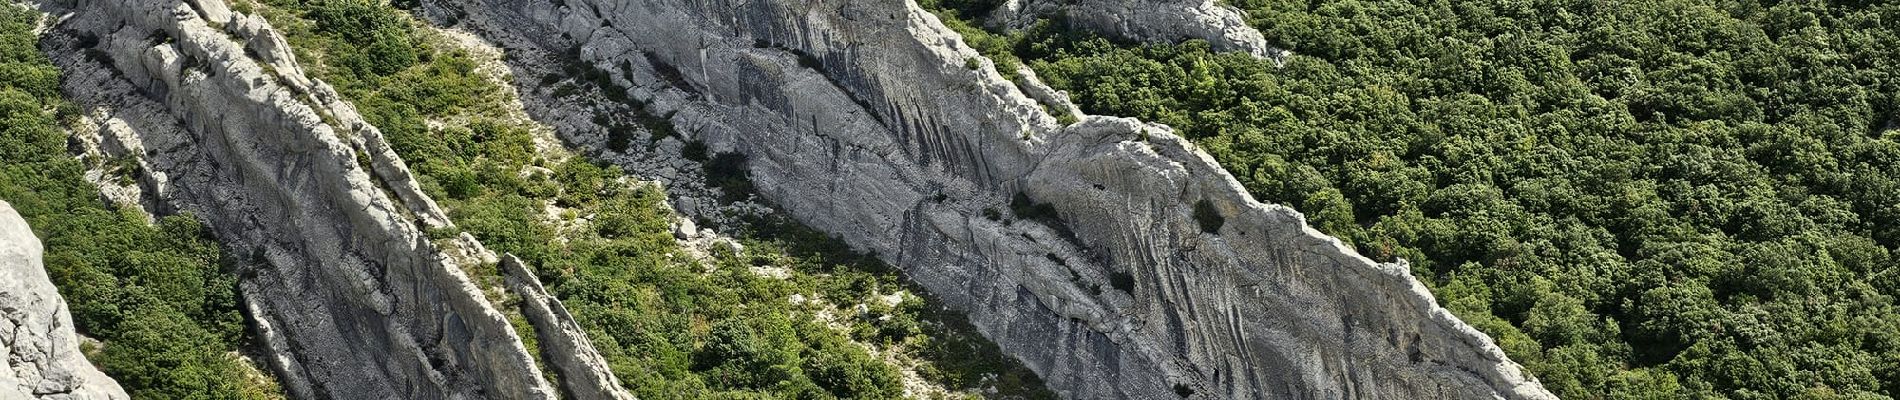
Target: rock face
351,296
1155,21
1109,255
584,372
36,332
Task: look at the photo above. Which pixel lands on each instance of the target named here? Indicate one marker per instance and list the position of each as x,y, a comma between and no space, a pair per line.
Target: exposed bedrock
41,349
354,301
863,119
1154,21
584,373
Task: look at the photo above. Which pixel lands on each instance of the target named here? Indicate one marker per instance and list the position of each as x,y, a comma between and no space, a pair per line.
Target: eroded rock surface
41,349
584,372
862,118
352,298
1154,21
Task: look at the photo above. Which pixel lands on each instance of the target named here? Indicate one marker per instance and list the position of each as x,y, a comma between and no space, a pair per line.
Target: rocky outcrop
352,298
1109,255
41,349
1154,21
584,372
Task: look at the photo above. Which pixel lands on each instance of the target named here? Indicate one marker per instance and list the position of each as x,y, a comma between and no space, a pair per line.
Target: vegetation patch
1679,198
958,14
161,298
670,325
727,171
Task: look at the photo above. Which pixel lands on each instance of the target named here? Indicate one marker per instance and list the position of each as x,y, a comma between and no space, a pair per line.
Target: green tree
1682,197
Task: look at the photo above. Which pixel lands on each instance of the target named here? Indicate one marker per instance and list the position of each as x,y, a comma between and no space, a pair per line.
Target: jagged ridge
861,119
352,298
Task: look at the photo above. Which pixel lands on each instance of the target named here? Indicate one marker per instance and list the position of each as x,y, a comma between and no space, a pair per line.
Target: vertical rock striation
351,296
41,349
1109,255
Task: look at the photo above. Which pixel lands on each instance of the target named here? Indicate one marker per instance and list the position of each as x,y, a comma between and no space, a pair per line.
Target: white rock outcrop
584,373
352,298
1154,21
862,118
41,349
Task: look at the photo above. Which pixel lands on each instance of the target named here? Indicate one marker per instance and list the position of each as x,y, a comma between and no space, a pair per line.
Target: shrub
620,137
727,171
382,37
695,150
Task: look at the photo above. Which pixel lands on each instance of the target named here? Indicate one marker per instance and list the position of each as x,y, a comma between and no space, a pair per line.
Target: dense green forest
157,297
671,326
1637,199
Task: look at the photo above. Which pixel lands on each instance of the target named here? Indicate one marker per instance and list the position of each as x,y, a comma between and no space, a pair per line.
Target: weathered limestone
352,298
861,118
564,344
1156,21
41,349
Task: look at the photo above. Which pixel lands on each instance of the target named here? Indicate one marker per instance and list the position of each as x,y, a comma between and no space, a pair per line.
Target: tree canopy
1676,198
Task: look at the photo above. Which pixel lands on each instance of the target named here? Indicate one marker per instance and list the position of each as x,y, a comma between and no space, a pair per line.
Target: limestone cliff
352,298
1155,21
41,349
1139,268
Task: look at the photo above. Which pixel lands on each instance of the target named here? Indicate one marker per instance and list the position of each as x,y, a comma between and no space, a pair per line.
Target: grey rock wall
860,118
1155,21
40,349
354,301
